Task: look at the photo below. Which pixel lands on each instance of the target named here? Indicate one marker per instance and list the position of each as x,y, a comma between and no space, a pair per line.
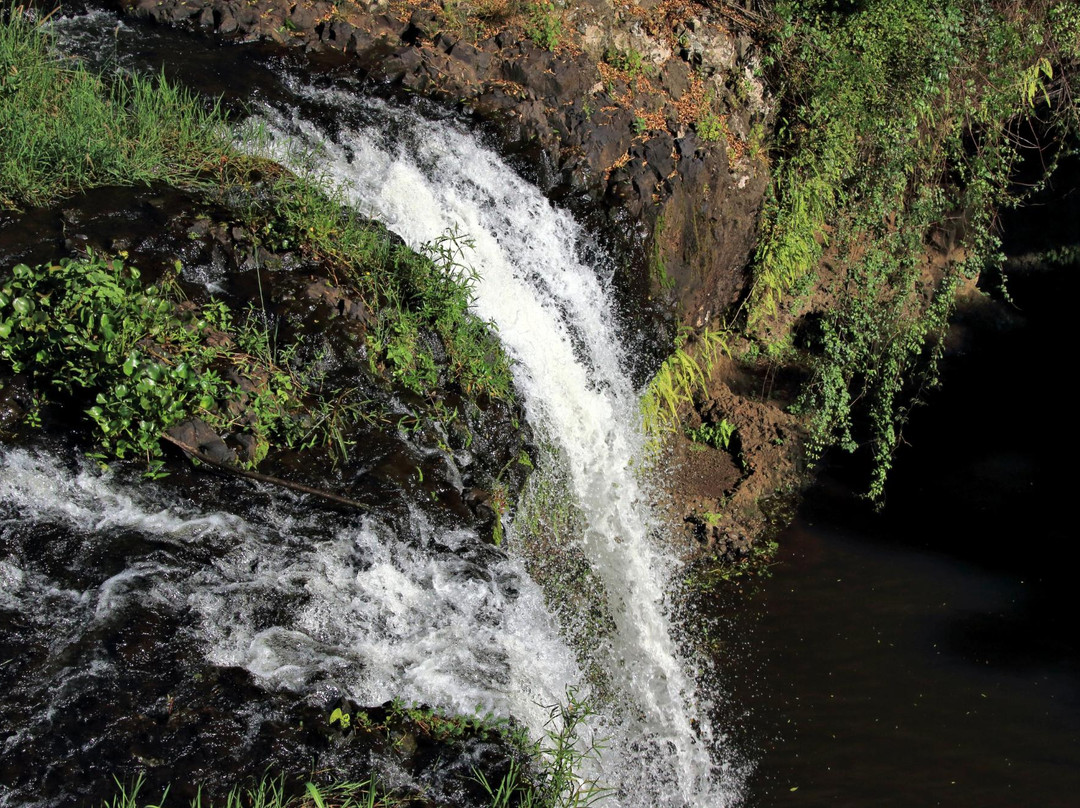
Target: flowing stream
374,608
554,315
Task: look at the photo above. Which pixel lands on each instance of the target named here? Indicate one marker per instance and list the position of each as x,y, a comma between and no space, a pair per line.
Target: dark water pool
929,654
890,676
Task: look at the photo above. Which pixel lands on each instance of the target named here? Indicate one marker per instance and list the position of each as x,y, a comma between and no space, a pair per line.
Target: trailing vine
905,124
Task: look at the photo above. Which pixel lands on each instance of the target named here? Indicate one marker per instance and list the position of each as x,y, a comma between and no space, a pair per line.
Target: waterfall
555,319
365,606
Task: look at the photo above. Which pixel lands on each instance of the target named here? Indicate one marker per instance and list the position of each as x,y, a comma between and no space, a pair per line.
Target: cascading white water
357,608
555,319
316,608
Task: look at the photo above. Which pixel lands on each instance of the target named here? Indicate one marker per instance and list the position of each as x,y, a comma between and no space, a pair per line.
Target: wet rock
675,78
197,434
16,399
658,154
582,122
472,57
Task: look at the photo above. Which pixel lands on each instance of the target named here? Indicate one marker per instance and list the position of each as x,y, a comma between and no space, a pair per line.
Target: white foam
555,319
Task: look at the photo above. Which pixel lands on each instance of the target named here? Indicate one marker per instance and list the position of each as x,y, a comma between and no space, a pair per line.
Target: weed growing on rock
557,761
716,435
66,130
711,127
630,61
544,25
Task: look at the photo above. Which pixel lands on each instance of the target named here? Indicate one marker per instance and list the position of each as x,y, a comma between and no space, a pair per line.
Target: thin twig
263,478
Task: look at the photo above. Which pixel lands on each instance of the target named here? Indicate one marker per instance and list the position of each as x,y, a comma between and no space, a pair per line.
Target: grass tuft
64,129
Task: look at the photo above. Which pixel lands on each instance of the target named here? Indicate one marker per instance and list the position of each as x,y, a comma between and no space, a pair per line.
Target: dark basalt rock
701,221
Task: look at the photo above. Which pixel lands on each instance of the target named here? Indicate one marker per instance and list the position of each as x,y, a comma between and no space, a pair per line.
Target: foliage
902,119
716,435
544,25
631,61
87,329
437,725
683,374
710,127
557,760
64,129
755,563
545,773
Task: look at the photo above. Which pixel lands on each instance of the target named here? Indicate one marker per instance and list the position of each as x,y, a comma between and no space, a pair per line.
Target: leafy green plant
140,363
710,127
544,25
629,60
716,435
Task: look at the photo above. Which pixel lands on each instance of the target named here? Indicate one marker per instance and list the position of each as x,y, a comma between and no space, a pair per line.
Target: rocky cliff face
648,120
650,113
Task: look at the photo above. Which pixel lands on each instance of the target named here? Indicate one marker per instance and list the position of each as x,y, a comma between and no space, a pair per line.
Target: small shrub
716,435
711,127
684,373
630,61
544,25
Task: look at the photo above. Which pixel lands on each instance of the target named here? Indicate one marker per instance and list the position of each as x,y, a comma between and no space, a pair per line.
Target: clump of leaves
544,25
710,127
716,435
138,360
631,61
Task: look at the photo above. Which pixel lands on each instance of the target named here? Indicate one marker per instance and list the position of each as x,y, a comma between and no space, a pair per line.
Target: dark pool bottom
886,675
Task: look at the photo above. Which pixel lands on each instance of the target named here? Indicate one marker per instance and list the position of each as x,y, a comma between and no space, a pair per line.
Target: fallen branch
263,478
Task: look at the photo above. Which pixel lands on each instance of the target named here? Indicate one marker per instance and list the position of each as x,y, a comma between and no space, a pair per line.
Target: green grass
547,772
64,129
416,295
270,793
